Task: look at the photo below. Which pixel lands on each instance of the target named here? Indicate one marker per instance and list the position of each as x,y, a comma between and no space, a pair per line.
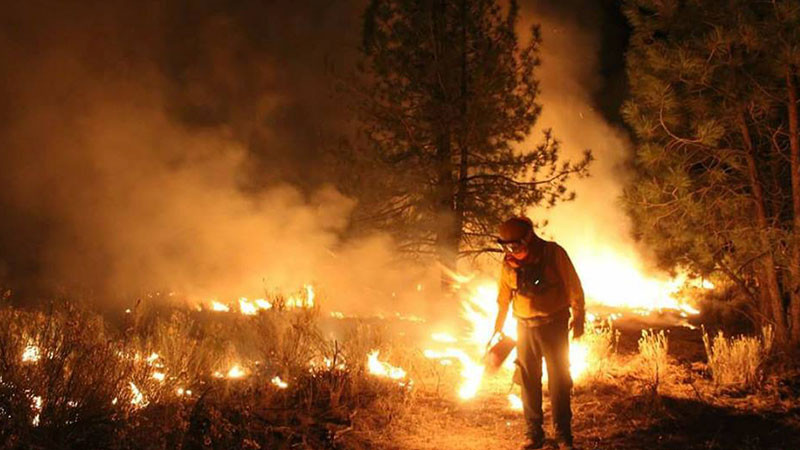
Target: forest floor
67,379
619,411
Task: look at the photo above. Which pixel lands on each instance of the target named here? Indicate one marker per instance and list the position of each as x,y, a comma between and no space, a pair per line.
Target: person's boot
535,440
563,435
533,443
564,441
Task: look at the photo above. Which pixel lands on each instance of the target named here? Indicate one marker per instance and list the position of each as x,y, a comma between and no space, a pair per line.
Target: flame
309,296
37,406
221,307
279,383
263,304
579,360
382,369
250,307
247,308
181,392
444,337
514,402
328,364
479,309
297,301
31,353
138,398
613,278
471,372
235,372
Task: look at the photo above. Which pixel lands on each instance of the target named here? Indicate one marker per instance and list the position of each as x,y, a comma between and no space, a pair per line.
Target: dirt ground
620,411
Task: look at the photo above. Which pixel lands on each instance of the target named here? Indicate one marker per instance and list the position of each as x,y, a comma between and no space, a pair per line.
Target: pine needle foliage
446,94
716,169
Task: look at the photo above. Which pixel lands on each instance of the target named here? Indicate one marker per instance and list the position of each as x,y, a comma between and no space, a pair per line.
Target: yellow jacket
559,288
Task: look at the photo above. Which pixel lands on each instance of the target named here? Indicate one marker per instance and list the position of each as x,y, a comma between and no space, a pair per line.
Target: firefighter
539,283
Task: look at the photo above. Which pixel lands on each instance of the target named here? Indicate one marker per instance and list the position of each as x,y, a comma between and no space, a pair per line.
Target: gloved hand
577,325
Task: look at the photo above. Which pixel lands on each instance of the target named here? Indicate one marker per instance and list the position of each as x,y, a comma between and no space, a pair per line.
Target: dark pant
551,341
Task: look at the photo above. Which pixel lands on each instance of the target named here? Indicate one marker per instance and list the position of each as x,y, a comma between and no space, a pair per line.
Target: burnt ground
620,411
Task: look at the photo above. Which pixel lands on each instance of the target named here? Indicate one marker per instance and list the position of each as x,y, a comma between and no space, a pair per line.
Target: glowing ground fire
252,307
464,350
383,369
479,308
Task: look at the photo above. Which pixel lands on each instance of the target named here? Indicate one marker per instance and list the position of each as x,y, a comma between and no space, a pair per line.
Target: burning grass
271,380
285,376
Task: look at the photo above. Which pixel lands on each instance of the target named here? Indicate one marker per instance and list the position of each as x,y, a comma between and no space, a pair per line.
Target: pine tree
446,91
713,107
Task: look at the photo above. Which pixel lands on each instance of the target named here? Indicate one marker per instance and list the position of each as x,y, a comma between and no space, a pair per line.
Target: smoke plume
171,146
580,95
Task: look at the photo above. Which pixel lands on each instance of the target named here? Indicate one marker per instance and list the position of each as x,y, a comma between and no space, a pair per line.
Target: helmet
515,229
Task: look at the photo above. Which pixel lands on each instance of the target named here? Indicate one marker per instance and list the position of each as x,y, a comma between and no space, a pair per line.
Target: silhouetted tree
446,92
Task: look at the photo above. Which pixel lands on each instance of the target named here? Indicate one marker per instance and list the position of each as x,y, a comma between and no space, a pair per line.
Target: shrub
69,380
738,360
60,378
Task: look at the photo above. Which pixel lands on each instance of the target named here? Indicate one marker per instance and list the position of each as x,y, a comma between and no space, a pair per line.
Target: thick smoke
575,94
178,146
151,146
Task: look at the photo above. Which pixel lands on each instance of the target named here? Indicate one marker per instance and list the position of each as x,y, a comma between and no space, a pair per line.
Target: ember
137,398
31,353
279,383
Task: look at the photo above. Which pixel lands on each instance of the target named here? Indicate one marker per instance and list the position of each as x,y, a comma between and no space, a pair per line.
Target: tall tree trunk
464,130
772,292
794,265
445,184
446,236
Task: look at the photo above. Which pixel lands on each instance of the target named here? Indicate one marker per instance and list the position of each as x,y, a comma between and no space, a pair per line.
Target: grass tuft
653,357
738,361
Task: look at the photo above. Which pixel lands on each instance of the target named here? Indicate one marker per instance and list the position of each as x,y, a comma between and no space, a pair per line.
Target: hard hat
515,229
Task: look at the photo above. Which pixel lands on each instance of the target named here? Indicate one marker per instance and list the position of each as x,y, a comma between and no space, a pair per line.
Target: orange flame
235,372
221,307
279,383
31,353
383,369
